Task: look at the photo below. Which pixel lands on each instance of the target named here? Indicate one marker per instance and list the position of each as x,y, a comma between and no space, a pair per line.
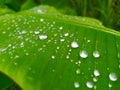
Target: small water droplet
83,54
53,57
67,57
96,72
66,34
109,85
15,64
89,84
58,48
96,54
27,53
53,70
78,71
39,11
36,32
113,76
62,40
41,19
43,37
88,41
95,87
76,85
23,32
22,44
95,79
60,27
74,44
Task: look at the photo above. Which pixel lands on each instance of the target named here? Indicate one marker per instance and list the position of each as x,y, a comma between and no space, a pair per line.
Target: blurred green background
107,11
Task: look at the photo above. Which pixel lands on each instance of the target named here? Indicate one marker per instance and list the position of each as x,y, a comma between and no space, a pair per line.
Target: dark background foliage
107,11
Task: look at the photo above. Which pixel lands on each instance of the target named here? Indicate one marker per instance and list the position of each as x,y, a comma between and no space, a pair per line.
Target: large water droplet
96,54
113,76
89,84
74,44
83,54
96,72
76,85
43,37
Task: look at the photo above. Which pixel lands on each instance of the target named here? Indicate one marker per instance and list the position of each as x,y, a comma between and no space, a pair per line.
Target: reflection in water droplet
83,54
89,84
76,85
78,71
43,37
113,76
96,72
74,44
96,54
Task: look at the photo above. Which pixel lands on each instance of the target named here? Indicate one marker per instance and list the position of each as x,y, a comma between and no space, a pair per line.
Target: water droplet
95,79
113,76
83,54
62,40
43,37
74,44
53,57
66,34
61,28
58,47
89,84
15,63
39,11
96,72
96,54
27,53
23,32
78,71
109,85
53,70
22,44
67,57
36,32
88,41
41,19
95,87
76,85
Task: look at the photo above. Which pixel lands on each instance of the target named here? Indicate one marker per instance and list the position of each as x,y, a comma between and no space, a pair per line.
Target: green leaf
51,51
6,10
